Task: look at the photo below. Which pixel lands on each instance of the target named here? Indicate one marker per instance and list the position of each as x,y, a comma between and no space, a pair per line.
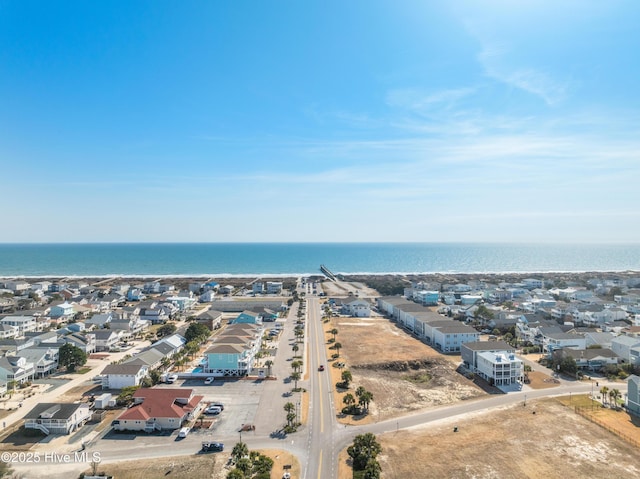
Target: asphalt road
317,444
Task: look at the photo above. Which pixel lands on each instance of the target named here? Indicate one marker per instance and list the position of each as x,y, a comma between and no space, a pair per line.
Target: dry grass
199,466
540,380
510,443
375,351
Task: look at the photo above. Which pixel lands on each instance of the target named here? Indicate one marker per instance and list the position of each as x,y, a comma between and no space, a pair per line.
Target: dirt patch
199,466
80,393
510,443
540,380
403,373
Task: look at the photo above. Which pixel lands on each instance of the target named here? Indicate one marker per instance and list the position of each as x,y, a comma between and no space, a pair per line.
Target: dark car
212,447
321,367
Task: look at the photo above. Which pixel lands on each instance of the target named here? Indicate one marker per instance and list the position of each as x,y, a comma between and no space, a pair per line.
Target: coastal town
201,365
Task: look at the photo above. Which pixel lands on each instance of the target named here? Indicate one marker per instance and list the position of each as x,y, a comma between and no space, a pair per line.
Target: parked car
213,410
209,380
217,404
212,447
184,432
172,378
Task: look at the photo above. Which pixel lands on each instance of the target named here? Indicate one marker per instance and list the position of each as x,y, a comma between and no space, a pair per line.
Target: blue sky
320,121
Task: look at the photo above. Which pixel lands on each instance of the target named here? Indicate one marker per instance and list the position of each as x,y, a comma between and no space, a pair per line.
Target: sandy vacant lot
403,373
511,443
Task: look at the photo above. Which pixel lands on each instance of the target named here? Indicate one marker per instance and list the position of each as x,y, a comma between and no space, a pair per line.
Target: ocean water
281,259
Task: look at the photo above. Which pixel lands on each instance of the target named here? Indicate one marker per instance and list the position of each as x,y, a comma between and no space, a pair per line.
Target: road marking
320,465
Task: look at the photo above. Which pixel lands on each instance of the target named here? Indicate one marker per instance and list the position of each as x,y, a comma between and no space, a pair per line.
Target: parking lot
241,398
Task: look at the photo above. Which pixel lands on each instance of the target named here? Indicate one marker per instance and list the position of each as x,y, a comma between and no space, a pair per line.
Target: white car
209,380
172,378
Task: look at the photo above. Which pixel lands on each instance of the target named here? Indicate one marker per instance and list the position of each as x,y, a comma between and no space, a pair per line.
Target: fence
587,412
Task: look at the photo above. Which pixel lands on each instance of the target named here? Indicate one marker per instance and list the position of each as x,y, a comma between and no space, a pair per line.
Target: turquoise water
238,259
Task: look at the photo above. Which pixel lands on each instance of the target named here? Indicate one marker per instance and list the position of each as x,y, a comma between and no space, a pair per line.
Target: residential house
426,298
24,324
16,368
274,287
593,338
449,339
8,331
358,308
590,359
257,287
57,418
633,394
106,339
86,342
17,287
62,311
44,360
249,317
135,294
151,358
211,318
500,368
155,315
623,346
184,302
157,409
99,320
129,328
554,341
469,351
118,376
208,296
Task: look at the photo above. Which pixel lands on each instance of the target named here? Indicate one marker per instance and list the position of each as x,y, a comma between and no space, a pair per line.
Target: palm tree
614,394
337,347
604,390
296,377
240,450
268,363
349,400
295,349
334,331
346,377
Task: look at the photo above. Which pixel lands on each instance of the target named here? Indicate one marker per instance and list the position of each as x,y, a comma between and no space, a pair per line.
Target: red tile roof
162,403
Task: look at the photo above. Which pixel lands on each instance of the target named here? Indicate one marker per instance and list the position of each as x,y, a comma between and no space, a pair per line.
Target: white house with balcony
500,368
16,368
57,418
24,324
118,376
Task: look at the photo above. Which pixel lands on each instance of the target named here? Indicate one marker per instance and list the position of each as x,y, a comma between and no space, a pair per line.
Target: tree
295,376
295,349
346,378
372,471
364,397
334,332
236,474
614,395
126,395
240,450
71,356
604,390
349,400
364,448
166,330
296,365
337,347
291,415
268,363
197,332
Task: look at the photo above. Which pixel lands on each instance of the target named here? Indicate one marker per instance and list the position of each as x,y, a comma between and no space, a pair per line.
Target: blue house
248,317
228,360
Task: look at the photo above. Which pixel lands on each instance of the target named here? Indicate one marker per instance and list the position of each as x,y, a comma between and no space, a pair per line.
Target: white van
184,432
